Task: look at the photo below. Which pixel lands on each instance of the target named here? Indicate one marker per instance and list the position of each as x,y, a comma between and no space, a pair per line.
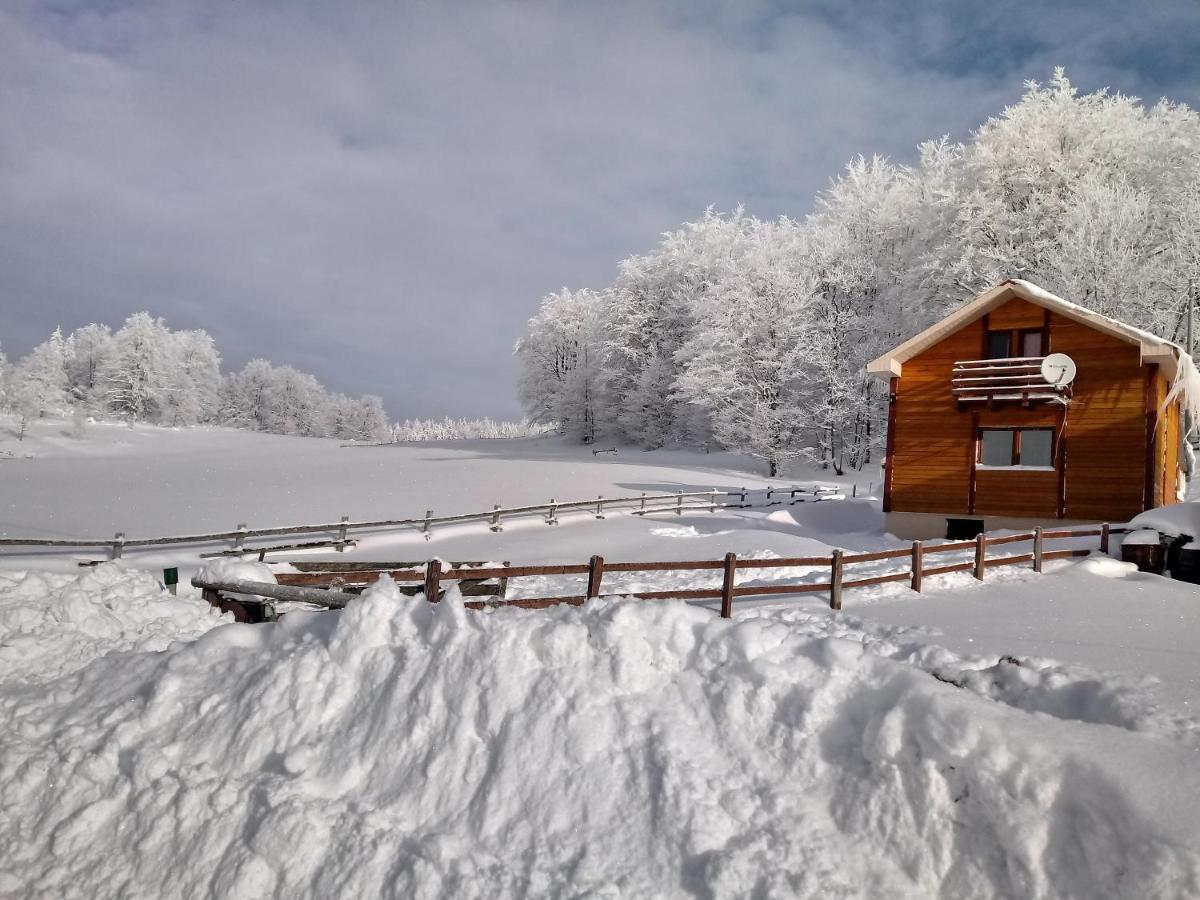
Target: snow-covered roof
1176,364
1154,349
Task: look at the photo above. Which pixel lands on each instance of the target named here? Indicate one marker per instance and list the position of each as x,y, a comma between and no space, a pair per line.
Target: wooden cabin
981,437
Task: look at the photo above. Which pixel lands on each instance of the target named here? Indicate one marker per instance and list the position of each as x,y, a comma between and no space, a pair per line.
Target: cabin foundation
920,526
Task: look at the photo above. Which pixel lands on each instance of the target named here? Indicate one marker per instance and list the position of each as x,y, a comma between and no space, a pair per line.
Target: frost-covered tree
749,361
563,358
88,349
136,378
359,418
38,383
195,376
146,372
652,315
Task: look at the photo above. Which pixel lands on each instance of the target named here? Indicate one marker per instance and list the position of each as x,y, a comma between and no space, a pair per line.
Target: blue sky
381,193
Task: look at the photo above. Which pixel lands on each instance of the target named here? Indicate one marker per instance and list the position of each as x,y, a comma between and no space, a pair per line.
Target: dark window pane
997,448
997,344
1036,447
1031,344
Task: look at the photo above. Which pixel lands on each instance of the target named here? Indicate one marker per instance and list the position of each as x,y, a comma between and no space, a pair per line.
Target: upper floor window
998,343
1033,343
1011,344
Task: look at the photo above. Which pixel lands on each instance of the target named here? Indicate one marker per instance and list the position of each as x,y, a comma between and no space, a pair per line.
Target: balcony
1013,380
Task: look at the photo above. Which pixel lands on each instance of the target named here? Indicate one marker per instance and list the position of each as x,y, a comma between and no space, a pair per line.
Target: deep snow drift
404,749
51,624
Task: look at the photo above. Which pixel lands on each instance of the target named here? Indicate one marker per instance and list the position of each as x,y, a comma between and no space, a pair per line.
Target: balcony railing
1013,380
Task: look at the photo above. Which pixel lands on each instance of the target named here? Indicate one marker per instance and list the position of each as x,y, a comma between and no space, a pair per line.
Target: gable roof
1153,348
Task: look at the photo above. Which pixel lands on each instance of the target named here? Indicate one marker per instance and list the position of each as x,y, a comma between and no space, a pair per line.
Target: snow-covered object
51,624
234,569
1142,536
620,750
1175,520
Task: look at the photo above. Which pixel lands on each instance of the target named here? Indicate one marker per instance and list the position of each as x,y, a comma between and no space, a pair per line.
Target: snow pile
235,569
1176,520
53,624
621,749
1142,536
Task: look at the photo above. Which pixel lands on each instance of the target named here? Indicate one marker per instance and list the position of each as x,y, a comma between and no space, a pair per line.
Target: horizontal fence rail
431,574
339,532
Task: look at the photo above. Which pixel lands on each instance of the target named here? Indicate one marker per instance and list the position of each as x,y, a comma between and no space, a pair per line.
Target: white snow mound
624,749
52,624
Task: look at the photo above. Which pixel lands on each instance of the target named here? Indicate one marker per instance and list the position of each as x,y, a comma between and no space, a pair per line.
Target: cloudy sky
381,193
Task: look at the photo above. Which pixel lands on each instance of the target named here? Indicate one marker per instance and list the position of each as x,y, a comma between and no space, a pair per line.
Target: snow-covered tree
749,362
562,378
88,349
38,383
145,372
136,378
195,376
359,418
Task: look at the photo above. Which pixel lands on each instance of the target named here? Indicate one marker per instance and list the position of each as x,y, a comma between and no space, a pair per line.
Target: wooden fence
339,532
306,585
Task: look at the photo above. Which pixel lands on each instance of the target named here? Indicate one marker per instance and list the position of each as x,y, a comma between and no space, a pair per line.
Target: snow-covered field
1031,736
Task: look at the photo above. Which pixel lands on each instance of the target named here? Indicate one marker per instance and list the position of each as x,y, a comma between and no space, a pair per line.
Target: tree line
145,372
754,334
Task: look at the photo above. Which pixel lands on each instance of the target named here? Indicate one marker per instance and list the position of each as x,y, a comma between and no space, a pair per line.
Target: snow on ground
152,481
1142,631
388,751
1029,736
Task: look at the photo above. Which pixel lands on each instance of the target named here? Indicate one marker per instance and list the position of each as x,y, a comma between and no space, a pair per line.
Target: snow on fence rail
340,531
304,586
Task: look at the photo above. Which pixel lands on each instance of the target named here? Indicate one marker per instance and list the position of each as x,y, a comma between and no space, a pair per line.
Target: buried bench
332,585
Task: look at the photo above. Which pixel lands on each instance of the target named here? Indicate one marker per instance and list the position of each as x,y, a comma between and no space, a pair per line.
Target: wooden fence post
743,498
595,573
980,554
240,539
551,519
496,526
118,545
727,586
679,503
428,524
835,581
712,503
918,562
1104,538
1038,547
342,534
643,506
854,490
600,507
433,579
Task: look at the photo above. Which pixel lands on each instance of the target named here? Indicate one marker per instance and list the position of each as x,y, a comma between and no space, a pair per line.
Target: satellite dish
1058,369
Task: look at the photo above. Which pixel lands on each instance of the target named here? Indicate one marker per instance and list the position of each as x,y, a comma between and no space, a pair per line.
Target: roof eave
885,368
